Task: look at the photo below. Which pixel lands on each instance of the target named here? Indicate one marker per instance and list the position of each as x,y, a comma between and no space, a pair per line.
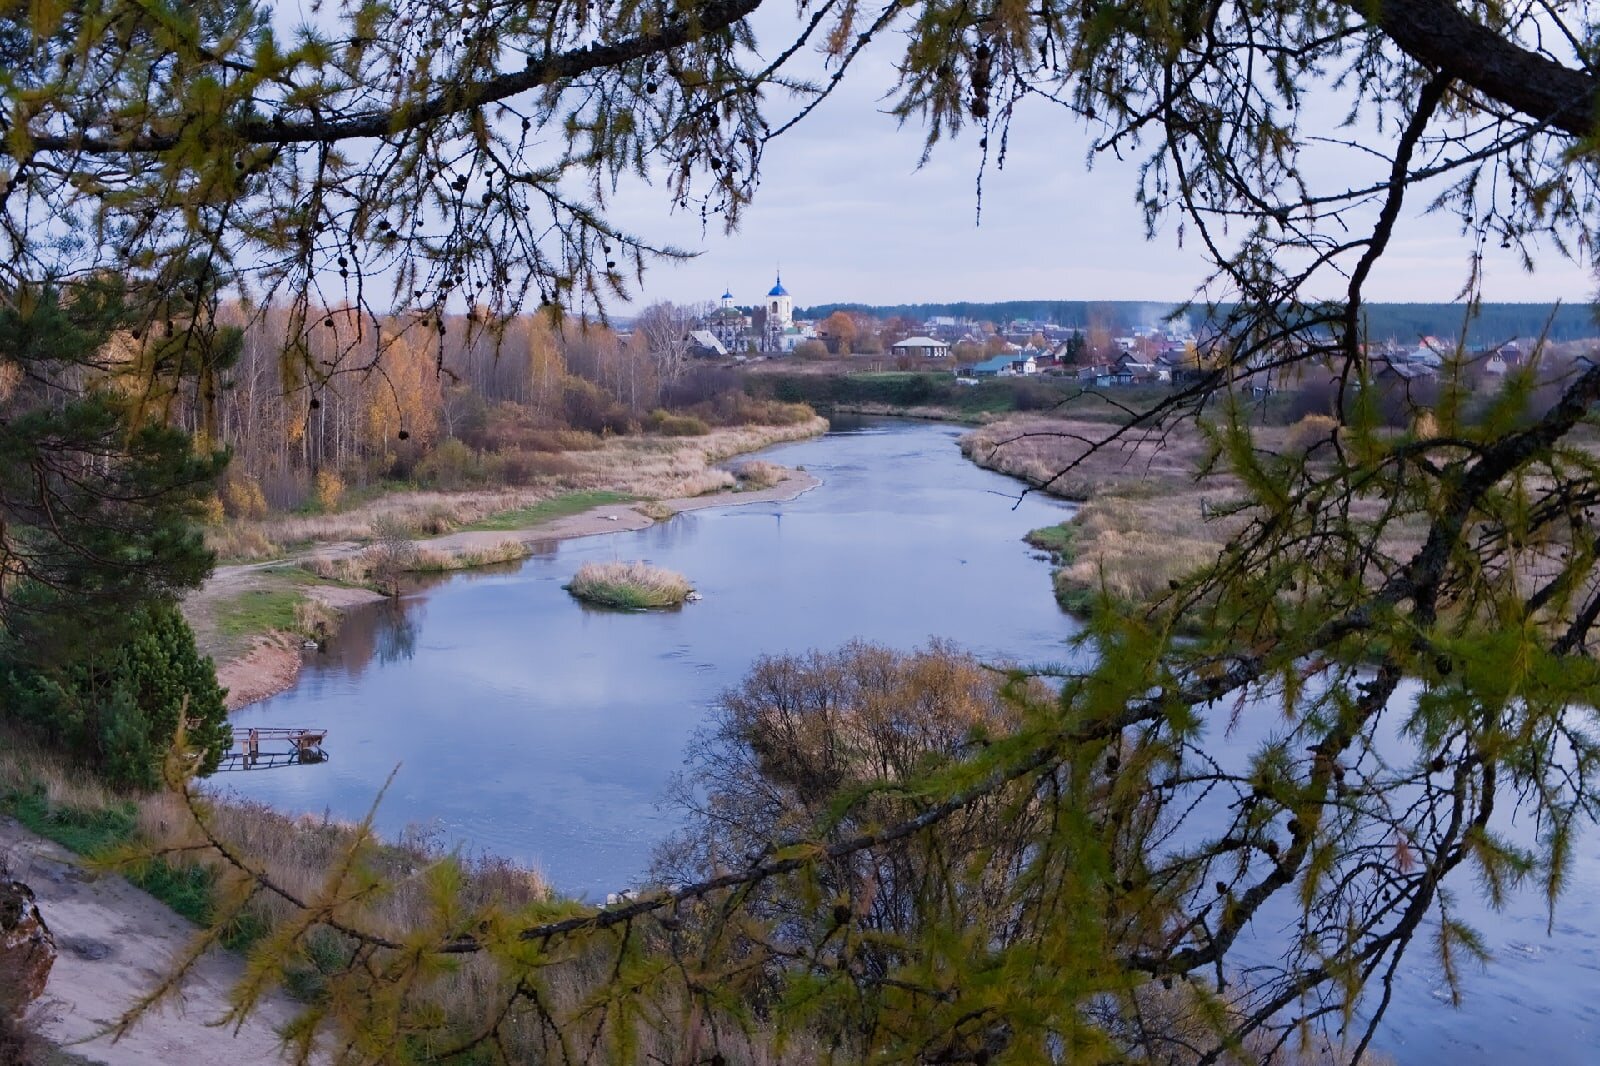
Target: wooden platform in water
263,748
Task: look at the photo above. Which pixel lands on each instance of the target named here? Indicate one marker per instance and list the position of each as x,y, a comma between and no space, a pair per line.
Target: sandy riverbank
114,942
271,661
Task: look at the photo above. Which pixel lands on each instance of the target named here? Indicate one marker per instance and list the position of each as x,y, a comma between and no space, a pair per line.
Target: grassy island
629,586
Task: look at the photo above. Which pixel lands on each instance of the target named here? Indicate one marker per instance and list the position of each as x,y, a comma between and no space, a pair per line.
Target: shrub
212,511
328,490
587,407
449,466
759,474
1308,433
811,349
233,541
629,586
671,425
286,490
391,555
700,385
242,496
524,468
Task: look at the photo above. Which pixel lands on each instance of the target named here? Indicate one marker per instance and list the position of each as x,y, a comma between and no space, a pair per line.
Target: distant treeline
1494,323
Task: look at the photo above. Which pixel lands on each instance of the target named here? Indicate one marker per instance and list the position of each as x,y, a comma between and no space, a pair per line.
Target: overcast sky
845,211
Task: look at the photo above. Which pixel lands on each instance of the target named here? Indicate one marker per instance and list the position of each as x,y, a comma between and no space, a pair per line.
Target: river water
524,724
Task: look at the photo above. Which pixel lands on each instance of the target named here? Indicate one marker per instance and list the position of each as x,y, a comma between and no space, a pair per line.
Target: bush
563,440
701,385
452,465
212,511
759,474
524,468
671,425
328,490
811,349
242,496
587,407
1308,433
629,586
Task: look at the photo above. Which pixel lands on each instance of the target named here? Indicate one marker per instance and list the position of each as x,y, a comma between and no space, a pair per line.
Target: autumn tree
1415,606
838,332
867,340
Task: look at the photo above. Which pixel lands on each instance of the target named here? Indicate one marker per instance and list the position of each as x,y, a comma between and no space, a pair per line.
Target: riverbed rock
27,950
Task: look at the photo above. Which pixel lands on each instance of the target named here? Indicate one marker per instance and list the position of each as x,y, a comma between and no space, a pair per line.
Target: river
524,724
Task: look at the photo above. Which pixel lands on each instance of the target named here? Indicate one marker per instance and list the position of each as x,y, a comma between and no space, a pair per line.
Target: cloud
847,213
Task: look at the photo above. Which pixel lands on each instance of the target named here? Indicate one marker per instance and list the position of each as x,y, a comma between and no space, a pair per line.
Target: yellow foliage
329,490
242,496
212,511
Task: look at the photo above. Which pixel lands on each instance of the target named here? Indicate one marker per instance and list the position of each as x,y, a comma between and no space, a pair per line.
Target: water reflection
535,727
528,726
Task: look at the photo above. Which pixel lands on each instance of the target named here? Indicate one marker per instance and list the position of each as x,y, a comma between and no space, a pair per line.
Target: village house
923,347
1005,365
703,344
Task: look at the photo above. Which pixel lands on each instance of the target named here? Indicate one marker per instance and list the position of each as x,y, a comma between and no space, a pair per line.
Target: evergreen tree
115,699
98,535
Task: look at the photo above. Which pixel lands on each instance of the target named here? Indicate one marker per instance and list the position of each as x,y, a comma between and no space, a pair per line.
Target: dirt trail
114,943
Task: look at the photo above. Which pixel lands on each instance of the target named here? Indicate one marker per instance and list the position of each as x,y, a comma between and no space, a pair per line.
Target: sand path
114,942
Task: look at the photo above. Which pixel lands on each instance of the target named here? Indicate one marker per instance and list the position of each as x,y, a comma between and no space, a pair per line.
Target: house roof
1407,371
707,340
921,342
994,365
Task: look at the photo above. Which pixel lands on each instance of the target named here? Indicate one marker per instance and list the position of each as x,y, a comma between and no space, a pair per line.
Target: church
769,327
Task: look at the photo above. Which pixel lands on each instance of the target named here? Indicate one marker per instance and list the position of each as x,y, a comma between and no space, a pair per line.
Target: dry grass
26,766
1135,549
430,561
759,474
1039,449
664,468
647,467
365,568
1143,527
629,586
418,514
241,542
655,510
297,852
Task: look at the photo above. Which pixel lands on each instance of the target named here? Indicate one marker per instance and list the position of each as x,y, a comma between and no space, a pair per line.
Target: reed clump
759,474
629,586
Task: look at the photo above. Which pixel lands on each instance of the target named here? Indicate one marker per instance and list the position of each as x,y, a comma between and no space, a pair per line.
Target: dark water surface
529,726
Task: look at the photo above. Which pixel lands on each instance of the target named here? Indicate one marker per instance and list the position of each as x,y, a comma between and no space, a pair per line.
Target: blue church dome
778,289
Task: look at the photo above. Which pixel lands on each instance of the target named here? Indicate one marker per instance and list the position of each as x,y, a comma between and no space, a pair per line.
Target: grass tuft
759,474
629,586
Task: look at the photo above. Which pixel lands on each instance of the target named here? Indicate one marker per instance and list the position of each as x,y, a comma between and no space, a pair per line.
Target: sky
848,216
